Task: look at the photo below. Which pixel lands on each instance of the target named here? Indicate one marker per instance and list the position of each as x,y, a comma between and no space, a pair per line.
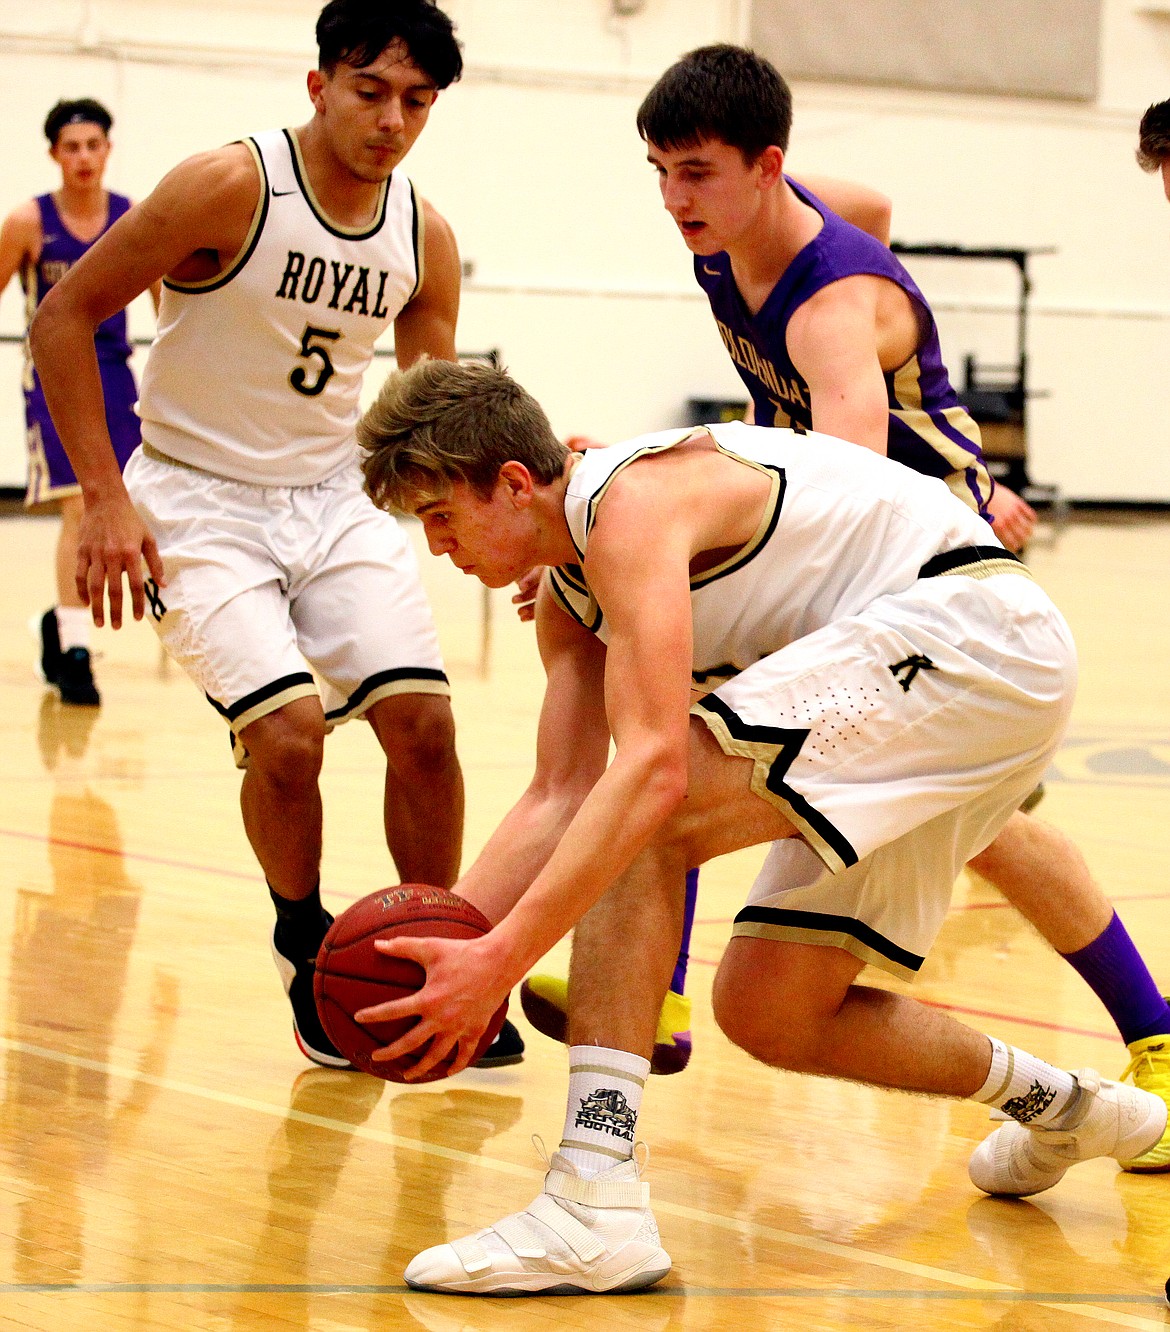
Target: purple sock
1113,968
679,979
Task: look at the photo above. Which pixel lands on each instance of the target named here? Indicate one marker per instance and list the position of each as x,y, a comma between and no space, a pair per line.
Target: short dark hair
1154,136
80,111
718,92
356,32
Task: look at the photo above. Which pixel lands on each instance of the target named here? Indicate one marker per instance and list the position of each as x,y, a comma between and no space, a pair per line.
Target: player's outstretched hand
114,542
462,992
1015,519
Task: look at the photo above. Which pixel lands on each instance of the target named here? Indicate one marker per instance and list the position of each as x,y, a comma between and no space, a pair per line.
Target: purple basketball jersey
50,472
929,430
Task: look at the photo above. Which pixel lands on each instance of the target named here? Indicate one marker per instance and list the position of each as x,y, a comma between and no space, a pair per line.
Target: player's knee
288,752
775,1031
419,736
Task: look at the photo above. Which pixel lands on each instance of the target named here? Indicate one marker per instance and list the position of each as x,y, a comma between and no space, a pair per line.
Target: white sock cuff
1027,1089
999,1076
606,1062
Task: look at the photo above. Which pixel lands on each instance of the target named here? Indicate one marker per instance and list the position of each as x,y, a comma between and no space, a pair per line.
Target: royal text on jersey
345,287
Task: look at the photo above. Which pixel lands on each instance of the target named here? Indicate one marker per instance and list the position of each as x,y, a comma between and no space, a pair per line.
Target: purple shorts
50,473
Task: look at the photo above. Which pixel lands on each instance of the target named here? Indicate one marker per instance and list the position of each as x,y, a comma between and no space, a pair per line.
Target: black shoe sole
507,1048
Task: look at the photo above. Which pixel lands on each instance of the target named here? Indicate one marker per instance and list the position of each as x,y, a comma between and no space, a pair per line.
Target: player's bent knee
767,1008
416,731
287,748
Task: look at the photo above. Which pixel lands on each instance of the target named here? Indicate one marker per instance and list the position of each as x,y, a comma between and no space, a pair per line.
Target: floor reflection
71,950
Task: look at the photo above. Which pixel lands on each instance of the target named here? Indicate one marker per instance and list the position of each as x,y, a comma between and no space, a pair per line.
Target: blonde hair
440,422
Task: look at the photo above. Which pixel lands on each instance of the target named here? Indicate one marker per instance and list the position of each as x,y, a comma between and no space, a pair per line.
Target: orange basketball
352,974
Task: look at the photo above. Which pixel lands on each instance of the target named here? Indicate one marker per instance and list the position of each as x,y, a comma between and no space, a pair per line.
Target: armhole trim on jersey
251,240
334,228
767,524
596,498
418,237
591,618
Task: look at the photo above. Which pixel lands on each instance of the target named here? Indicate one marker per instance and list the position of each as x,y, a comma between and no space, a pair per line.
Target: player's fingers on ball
413,950
392,1010
406,1044
463,1060
438,1050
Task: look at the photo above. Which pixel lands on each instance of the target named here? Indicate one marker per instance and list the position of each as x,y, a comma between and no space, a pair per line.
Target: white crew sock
1027,1089
73,624
605,1095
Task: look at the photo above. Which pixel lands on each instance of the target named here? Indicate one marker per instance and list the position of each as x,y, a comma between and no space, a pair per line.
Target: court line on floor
851,1255
137,857
1055,1298
216,871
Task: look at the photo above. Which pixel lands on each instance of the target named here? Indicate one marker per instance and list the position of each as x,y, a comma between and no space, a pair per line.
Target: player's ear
517,480
771,165
316,83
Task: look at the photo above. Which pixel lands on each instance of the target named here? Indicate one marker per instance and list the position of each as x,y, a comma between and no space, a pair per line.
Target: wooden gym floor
168,1160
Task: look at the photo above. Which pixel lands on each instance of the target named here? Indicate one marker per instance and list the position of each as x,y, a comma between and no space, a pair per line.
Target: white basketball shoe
1118,1121
581,1236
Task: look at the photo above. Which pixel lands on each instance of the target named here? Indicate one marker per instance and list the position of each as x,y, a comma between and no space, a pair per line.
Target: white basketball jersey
843,526
256,374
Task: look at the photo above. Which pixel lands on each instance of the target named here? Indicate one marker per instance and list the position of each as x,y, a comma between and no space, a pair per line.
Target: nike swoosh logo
712,272
48,240
279,194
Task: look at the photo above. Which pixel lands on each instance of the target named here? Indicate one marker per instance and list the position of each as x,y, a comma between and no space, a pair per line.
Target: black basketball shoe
297,975
75,679
50,646
507,1048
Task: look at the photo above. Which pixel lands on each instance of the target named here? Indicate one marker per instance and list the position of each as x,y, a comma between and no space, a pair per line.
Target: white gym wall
579,276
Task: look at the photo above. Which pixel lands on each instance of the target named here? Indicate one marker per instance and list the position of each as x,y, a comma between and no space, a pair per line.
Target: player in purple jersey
1153,151
41,240
826,329
927,427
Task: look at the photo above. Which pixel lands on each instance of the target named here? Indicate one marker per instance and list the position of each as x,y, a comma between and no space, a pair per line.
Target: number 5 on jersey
299,378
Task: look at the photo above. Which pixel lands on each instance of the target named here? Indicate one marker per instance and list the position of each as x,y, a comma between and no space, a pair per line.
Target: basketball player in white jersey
284,257
790,640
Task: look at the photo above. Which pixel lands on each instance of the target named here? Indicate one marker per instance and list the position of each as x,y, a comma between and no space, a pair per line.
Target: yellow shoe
545,1001
1149,1069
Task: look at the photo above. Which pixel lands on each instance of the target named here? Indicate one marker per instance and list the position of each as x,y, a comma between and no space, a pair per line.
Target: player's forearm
518,850
62,343
616,822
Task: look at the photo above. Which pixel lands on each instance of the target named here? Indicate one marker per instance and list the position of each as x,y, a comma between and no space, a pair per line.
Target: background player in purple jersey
1153,151
829,332
41,240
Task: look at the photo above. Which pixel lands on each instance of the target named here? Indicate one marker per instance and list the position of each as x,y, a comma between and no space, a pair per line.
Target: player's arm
833,342
644,591
426,324
856,203
645,595
565,773
191,226
20,239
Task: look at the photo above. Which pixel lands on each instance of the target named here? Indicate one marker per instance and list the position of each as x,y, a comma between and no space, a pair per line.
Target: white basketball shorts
898,741
261,580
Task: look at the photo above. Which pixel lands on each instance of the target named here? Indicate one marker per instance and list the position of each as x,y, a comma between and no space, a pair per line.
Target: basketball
352,974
